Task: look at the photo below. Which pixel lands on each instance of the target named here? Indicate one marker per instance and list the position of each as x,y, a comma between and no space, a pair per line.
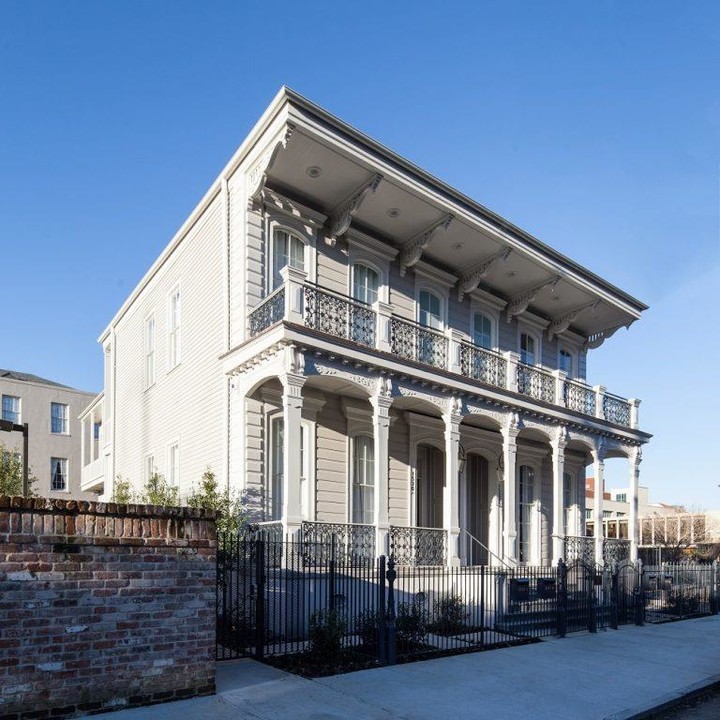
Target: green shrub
367,625
122,492
411,623
327,629
210,496
157,491
11,473
450,613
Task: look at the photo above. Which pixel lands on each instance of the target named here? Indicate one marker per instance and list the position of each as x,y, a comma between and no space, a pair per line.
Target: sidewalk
613,674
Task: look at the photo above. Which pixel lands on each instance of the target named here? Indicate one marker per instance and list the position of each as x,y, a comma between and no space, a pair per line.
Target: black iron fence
302,598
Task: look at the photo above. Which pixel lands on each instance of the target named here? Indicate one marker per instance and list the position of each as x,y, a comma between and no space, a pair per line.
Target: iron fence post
714,588
391,574
331,578
592,609
614,595
382,625
482,605
260,598
639,596
562,598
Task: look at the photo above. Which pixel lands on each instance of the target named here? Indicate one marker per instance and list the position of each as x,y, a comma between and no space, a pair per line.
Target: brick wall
103,606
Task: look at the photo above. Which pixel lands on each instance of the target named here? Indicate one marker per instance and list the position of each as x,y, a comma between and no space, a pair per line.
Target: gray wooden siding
398,444
331,462
546,510
332,268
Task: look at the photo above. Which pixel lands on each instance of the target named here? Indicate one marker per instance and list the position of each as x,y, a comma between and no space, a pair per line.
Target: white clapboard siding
332,464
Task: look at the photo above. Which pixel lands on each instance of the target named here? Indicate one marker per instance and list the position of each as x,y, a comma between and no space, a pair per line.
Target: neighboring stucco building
52,412
363,351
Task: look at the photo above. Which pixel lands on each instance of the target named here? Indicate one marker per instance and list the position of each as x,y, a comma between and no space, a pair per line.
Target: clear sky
595,126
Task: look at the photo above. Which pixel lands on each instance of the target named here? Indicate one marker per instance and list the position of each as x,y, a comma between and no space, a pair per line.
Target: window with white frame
527,349
149,467
366,283
173,474
58,418
273,505
526,504
565,361
150,351
287,249
174,329
363,479
11,409
58,474
430,310
482,331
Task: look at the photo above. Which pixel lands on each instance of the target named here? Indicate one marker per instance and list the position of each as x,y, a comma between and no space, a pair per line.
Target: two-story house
363,351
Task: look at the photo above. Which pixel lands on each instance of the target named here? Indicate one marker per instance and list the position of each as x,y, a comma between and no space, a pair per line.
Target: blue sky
595,126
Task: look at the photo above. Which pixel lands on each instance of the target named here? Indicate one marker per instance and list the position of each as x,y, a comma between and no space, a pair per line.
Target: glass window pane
365,284
527,349
430,310
482,331
566,361
363,479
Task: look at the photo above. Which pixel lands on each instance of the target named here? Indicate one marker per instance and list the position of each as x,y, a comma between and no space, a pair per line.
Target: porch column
451,493
381,432
633,530
292,457
558,465
598,471
495,543
510,434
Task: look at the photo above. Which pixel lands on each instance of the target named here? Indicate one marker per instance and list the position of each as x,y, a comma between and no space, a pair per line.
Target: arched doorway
430,472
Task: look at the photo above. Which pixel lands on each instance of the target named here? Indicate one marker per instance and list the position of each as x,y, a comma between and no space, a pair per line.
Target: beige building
51,411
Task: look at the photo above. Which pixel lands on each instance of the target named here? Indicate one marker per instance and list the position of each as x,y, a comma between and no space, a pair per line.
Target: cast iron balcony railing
487,366
413,341
579,549
615,550
616,409
579,397
339,316
418,545
537,384
270,311
343,541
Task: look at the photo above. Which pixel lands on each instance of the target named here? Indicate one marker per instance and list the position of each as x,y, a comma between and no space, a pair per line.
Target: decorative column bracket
257,177
413,248
340,218
562,323
470,280
519,304
597,339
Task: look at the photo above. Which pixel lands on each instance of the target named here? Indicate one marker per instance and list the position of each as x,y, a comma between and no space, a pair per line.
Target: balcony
92,478
374,326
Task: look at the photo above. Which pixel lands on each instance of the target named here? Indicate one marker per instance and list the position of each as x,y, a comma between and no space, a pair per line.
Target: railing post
560,377
391,574
511,378
383,313
634,413
562,598
454,340
259,598
599,403
294,281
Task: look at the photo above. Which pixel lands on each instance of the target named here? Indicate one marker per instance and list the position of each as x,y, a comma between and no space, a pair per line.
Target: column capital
292,385
453,413
560,440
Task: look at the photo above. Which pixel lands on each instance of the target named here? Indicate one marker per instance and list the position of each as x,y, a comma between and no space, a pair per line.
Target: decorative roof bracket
519,304
257,177
595,340
341,217
470,280
413,248
562,323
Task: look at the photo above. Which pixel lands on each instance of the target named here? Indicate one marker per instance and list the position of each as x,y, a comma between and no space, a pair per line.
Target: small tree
122,492
209,495
157,491
11,473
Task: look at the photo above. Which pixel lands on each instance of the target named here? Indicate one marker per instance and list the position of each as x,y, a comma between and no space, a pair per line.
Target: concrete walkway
614,674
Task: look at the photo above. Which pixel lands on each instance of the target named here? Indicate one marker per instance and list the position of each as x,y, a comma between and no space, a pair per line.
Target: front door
478,511
430,470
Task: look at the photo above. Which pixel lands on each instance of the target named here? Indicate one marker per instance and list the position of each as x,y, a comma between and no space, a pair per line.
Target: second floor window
174,329
482,331
527,349
287,250
59,419
58,473
150,351
430,310
365,284
11,409
565,361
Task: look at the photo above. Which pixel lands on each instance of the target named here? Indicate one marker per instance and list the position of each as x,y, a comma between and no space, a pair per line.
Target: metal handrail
485,547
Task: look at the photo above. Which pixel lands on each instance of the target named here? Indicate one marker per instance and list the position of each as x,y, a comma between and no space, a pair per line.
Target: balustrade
536,383
579,397
270,311
418,545
339,316
348,541
484,365
413,341
616,410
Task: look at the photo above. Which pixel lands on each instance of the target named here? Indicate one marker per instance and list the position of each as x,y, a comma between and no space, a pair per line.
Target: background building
52,412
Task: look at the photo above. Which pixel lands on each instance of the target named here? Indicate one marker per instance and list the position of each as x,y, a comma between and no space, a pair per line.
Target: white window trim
67,475
175,442
150,317
146,457
536,336
351,472
382,287
178,359
477,308
20,404
359,422
65,432
303,232
366,250
535,509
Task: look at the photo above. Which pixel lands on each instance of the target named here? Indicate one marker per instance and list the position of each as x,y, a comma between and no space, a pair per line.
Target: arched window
565,361
287,250
430,306
526,499
363,480
527,349
482,331
366,283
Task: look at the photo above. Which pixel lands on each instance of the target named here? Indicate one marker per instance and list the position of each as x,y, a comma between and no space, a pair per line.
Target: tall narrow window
526,499
59,419
174,329
482,331
149,469
150,351
274,499
565,361
365,284
363,480
527,349
11,409
430,310
58,474
287,250
174,465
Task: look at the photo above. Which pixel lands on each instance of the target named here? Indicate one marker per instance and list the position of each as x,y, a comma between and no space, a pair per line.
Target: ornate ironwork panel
414,342
616,410
270,311
615,550
536,383
344,542
270,530
484,365
339,316
418,546
580,548
579,397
